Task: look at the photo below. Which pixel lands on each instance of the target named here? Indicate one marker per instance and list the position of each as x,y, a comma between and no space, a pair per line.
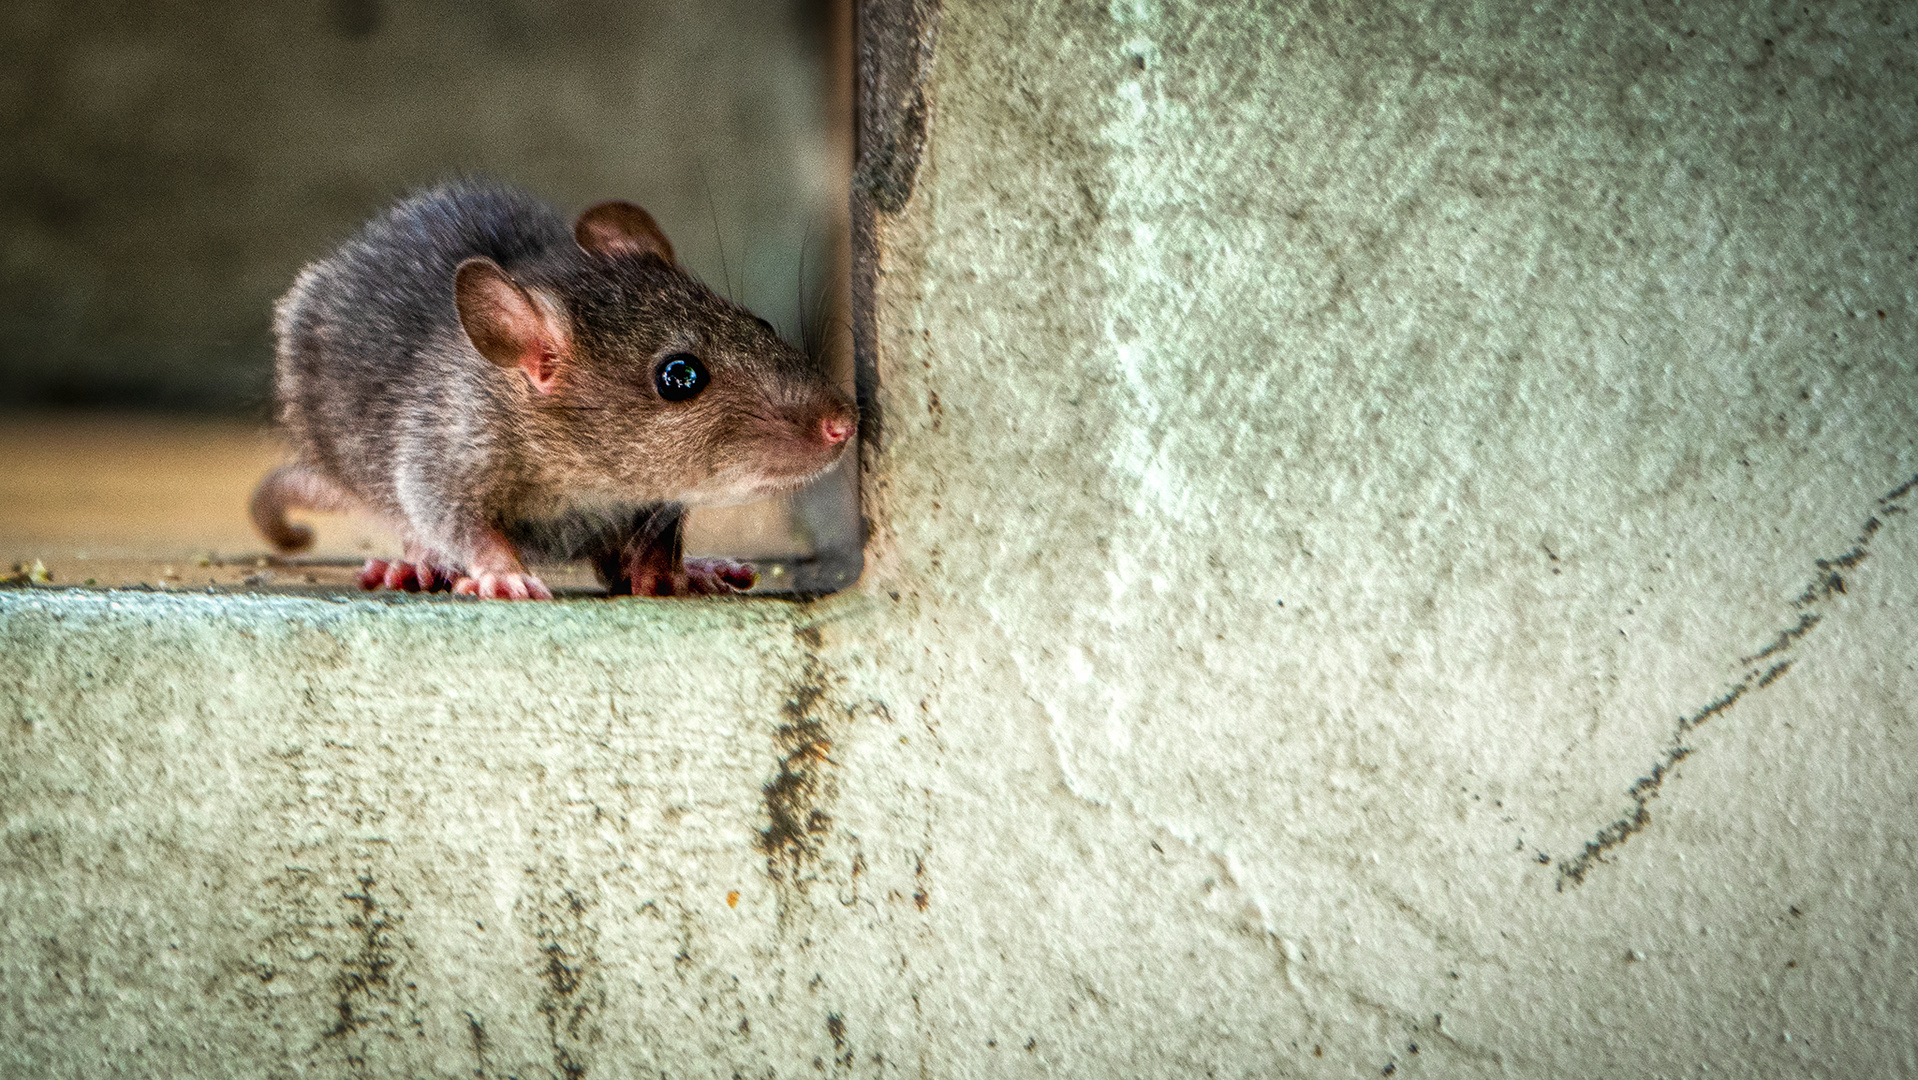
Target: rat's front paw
401,576
503,587
719,577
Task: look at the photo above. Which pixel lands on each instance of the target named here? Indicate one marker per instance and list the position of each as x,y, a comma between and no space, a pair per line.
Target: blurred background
171,166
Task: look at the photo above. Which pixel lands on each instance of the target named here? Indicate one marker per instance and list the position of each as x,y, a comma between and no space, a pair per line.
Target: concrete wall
1392,556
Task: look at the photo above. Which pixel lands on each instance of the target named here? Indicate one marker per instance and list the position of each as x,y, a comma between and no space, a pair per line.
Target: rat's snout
787,445
823,425
836,427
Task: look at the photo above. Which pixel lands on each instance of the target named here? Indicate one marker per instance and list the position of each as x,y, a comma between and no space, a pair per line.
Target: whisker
718,238
799,287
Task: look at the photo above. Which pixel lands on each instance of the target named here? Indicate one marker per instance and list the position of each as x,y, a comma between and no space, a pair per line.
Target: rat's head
654,386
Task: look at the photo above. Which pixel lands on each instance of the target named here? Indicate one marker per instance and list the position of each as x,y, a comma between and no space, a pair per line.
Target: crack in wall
1763,668
1417,1028
476,1029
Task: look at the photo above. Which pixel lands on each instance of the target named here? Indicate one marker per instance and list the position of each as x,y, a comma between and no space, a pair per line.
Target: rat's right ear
620,228
507,324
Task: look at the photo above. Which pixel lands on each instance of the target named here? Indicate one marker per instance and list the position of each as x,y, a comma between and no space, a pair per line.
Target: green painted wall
1392,556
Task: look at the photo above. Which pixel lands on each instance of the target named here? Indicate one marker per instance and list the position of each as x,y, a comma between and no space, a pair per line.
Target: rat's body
497,385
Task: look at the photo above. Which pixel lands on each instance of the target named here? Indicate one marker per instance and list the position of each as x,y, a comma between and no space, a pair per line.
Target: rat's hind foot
503,587
695,577
649,562
401,576
719,577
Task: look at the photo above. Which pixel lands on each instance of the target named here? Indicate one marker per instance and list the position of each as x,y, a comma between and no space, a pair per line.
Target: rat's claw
402,576
719,577
395,574
525,587
504,587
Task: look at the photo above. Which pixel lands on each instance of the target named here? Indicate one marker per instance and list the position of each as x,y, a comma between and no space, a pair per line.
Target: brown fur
466,370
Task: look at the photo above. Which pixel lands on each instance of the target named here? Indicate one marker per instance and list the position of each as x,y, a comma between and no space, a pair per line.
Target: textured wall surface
1393,555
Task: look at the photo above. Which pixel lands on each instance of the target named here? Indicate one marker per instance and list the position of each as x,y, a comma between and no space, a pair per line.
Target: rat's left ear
620,228
507,325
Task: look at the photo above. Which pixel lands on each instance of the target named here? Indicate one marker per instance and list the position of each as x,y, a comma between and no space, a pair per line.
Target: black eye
680,377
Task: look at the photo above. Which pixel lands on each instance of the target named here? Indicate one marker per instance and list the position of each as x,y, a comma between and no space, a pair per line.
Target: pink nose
836,429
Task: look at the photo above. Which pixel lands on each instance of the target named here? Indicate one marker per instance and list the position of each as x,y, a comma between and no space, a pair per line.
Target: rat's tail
293,487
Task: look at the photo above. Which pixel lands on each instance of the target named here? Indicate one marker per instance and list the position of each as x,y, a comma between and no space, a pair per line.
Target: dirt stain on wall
373,1000
796,798
571,995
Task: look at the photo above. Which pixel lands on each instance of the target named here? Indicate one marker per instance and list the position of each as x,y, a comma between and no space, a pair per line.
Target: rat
500,388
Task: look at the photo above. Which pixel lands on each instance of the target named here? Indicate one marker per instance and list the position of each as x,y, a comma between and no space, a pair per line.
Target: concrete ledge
351,831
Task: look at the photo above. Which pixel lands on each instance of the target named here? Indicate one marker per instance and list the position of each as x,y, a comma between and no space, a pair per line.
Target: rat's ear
620,228
507,325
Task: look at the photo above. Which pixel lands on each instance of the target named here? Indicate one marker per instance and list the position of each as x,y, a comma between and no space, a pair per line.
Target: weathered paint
1392,555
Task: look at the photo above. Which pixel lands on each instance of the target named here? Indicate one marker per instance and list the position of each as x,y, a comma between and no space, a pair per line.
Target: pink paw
401,576
697,577
503,587
720,577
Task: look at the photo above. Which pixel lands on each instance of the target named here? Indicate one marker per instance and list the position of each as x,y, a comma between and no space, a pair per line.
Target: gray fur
385,398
